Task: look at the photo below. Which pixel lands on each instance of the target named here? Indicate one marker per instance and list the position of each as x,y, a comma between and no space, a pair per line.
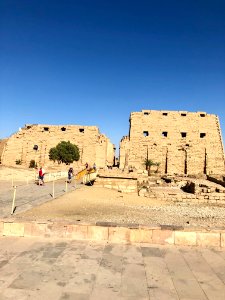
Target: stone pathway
47,269
29,195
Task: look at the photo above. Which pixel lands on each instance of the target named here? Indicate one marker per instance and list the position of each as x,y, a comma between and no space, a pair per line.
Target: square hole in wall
35,147
81,130
63,129
164,133
145,133
183,115
202,115
202,135
146,113
164,114
183,134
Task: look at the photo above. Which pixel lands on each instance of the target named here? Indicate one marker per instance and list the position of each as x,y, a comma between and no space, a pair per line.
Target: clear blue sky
93,62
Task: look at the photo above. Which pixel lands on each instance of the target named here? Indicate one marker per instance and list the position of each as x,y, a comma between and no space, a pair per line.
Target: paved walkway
29,195
47,269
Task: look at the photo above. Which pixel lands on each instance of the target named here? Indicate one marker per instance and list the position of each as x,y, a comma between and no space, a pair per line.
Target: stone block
77,232
208,239
28,229
1,227
108,186
150,227
223,240
185,238
119,234
98,233
142,192
163,237
141,236
121,187
37,229
107,224
13,229
56,230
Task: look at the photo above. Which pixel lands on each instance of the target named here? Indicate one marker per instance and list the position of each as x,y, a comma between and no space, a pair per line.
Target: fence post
14,198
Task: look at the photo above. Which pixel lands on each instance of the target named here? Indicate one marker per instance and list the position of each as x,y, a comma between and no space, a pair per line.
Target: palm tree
148,164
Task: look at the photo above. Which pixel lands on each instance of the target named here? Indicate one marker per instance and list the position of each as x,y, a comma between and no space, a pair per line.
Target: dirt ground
90,204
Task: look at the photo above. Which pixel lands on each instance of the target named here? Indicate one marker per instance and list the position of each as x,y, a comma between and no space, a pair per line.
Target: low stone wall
53,176
122,184
163,235
209,198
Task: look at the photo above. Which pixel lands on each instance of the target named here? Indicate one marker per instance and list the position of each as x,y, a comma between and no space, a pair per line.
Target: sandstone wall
125,185
93,146
2,146
209,198
124,152
182,142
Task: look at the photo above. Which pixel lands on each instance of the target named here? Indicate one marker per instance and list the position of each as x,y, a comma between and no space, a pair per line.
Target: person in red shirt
41,175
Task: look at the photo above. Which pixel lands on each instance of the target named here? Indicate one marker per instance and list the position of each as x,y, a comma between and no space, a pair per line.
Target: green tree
53,154
64,152
148,164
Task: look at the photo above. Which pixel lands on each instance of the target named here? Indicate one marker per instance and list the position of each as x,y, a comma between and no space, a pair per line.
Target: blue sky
94,62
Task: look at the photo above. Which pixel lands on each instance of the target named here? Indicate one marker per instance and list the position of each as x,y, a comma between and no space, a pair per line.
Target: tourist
70,174
41,175
86,165
94,167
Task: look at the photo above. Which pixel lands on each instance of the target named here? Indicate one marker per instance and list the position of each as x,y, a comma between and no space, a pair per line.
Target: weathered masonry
182,142
33,142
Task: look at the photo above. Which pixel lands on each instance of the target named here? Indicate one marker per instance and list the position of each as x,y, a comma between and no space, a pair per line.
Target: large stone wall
2,146
182,142
93,146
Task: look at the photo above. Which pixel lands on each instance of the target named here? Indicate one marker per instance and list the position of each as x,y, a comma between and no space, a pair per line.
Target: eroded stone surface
34,141
34,268
182,142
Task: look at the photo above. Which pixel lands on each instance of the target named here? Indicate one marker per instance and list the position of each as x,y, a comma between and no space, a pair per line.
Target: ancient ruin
33,142
183,143
180,142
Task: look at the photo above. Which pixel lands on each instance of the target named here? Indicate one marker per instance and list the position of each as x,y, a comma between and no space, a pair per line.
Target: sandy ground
90,202
95,204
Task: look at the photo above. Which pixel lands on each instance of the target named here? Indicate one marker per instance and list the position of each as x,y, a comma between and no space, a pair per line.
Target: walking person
70,175
41,175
